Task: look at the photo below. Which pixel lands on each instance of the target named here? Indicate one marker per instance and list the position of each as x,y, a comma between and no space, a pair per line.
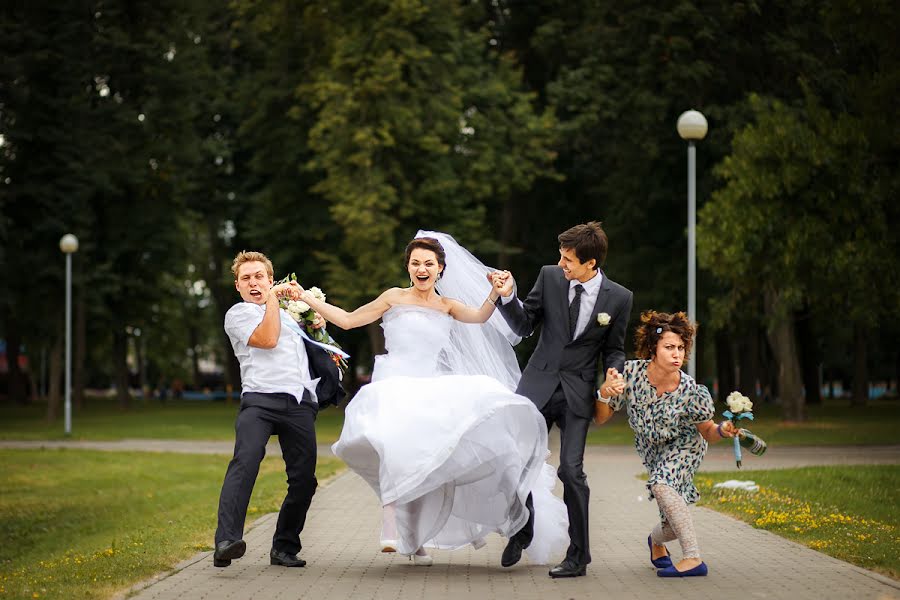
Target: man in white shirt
285,378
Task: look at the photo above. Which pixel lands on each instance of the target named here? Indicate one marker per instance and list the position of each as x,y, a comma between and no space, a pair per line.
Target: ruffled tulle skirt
456,456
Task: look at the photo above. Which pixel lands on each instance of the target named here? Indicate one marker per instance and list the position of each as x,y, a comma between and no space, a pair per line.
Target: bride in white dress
449,448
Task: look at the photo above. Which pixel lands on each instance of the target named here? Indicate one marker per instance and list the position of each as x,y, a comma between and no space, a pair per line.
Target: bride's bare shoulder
394,295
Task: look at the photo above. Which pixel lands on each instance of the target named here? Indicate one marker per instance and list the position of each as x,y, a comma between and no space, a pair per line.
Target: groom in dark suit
584,315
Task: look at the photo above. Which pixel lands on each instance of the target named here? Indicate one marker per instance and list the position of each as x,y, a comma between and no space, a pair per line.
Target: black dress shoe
228,550
512,553
283,559
568,569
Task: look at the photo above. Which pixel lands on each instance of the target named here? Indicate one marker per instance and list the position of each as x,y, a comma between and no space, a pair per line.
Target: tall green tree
417,124
797,224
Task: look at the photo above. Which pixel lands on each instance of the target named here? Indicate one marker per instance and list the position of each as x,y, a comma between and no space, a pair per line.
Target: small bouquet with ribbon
305,316
739,407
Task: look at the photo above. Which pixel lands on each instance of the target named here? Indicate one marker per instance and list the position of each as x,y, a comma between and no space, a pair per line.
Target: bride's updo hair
655,324
427,243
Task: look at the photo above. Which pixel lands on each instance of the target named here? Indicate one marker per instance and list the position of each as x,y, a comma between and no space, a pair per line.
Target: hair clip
659,330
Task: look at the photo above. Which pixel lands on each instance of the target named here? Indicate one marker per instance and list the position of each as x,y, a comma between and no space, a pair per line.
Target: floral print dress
665,432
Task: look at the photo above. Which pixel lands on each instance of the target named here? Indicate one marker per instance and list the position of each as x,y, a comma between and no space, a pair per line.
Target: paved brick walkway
340,543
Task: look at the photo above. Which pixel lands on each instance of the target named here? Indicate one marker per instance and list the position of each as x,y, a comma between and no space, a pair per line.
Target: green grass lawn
833,423
84,524
175,420
847,512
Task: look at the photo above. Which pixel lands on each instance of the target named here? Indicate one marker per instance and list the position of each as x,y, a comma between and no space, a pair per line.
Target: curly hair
652,327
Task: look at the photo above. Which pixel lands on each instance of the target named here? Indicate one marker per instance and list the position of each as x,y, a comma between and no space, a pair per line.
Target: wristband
719,429
600,397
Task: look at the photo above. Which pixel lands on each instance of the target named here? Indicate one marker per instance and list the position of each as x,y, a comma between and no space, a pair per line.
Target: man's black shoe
283,559
228,550
568,569
512,553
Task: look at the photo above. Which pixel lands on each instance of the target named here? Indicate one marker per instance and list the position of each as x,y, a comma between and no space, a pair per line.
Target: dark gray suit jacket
558,359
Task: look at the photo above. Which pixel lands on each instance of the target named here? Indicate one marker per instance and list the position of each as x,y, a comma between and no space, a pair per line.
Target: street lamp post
68,244
692,127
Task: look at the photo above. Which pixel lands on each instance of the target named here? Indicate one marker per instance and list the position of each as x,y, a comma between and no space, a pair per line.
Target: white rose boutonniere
603,319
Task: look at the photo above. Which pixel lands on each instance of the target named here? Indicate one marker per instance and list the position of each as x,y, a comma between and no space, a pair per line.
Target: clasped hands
614,384
503,282
294,291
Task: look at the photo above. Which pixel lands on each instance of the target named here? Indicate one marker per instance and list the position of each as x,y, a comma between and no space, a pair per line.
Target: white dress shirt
282,369
588,298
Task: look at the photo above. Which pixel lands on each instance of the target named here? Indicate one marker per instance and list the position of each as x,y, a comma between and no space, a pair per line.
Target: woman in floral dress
671,416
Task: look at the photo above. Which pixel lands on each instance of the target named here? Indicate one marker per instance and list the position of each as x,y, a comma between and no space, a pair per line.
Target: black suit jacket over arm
321,365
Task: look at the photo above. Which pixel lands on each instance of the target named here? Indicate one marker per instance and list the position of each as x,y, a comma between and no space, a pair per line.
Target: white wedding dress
455,454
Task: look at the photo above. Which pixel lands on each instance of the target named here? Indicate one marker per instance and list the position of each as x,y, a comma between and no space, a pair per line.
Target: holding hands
613,386
503,282
290,289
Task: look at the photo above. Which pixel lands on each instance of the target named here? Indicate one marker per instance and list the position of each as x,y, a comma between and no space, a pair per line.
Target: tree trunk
725,364
897,373
140,348
120,366
80,351
809,358
782,337
507,218
376,338
194,337
54,390
351,382
749,378
15,378
224,298
860,367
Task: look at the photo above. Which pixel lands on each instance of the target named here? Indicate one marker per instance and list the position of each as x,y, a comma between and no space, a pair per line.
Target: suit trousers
576,493
261,416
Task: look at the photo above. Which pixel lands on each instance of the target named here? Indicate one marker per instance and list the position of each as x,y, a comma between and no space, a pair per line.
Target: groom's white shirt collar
591,286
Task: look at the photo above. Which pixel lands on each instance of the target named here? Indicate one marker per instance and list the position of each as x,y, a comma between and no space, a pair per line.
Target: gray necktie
574,308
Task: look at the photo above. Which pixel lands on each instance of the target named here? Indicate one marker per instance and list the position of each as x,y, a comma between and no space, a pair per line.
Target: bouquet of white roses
739,407
305,316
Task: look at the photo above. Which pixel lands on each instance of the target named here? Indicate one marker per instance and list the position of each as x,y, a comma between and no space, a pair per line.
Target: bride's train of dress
551,520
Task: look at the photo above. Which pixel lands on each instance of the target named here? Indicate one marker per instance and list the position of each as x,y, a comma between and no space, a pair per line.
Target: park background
167,136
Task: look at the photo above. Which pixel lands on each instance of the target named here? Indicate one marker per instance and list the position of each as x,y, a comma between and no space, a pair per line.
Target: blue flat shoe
663,561
698,571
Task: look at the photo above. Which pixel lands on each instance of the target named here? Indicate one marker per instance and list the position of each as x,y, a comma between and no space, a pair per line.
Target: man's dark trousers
576,494
261,416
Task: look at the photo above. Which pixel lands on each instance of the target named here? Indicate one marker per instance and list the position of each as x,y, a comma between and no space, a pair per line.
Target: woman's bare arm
468,314
365,314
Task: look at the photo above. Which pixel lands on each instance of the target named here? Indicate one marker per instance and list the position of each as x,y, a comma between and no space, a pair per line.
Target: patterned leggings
677,524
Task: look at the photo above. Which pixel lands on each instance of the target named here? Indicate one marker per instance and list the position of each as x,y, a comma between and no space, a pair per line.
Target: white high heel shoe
422,560
389,545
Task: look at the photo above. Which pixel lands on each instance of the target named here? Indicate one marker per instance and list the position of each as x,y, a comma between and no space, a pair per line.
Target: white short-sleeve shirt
282,369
